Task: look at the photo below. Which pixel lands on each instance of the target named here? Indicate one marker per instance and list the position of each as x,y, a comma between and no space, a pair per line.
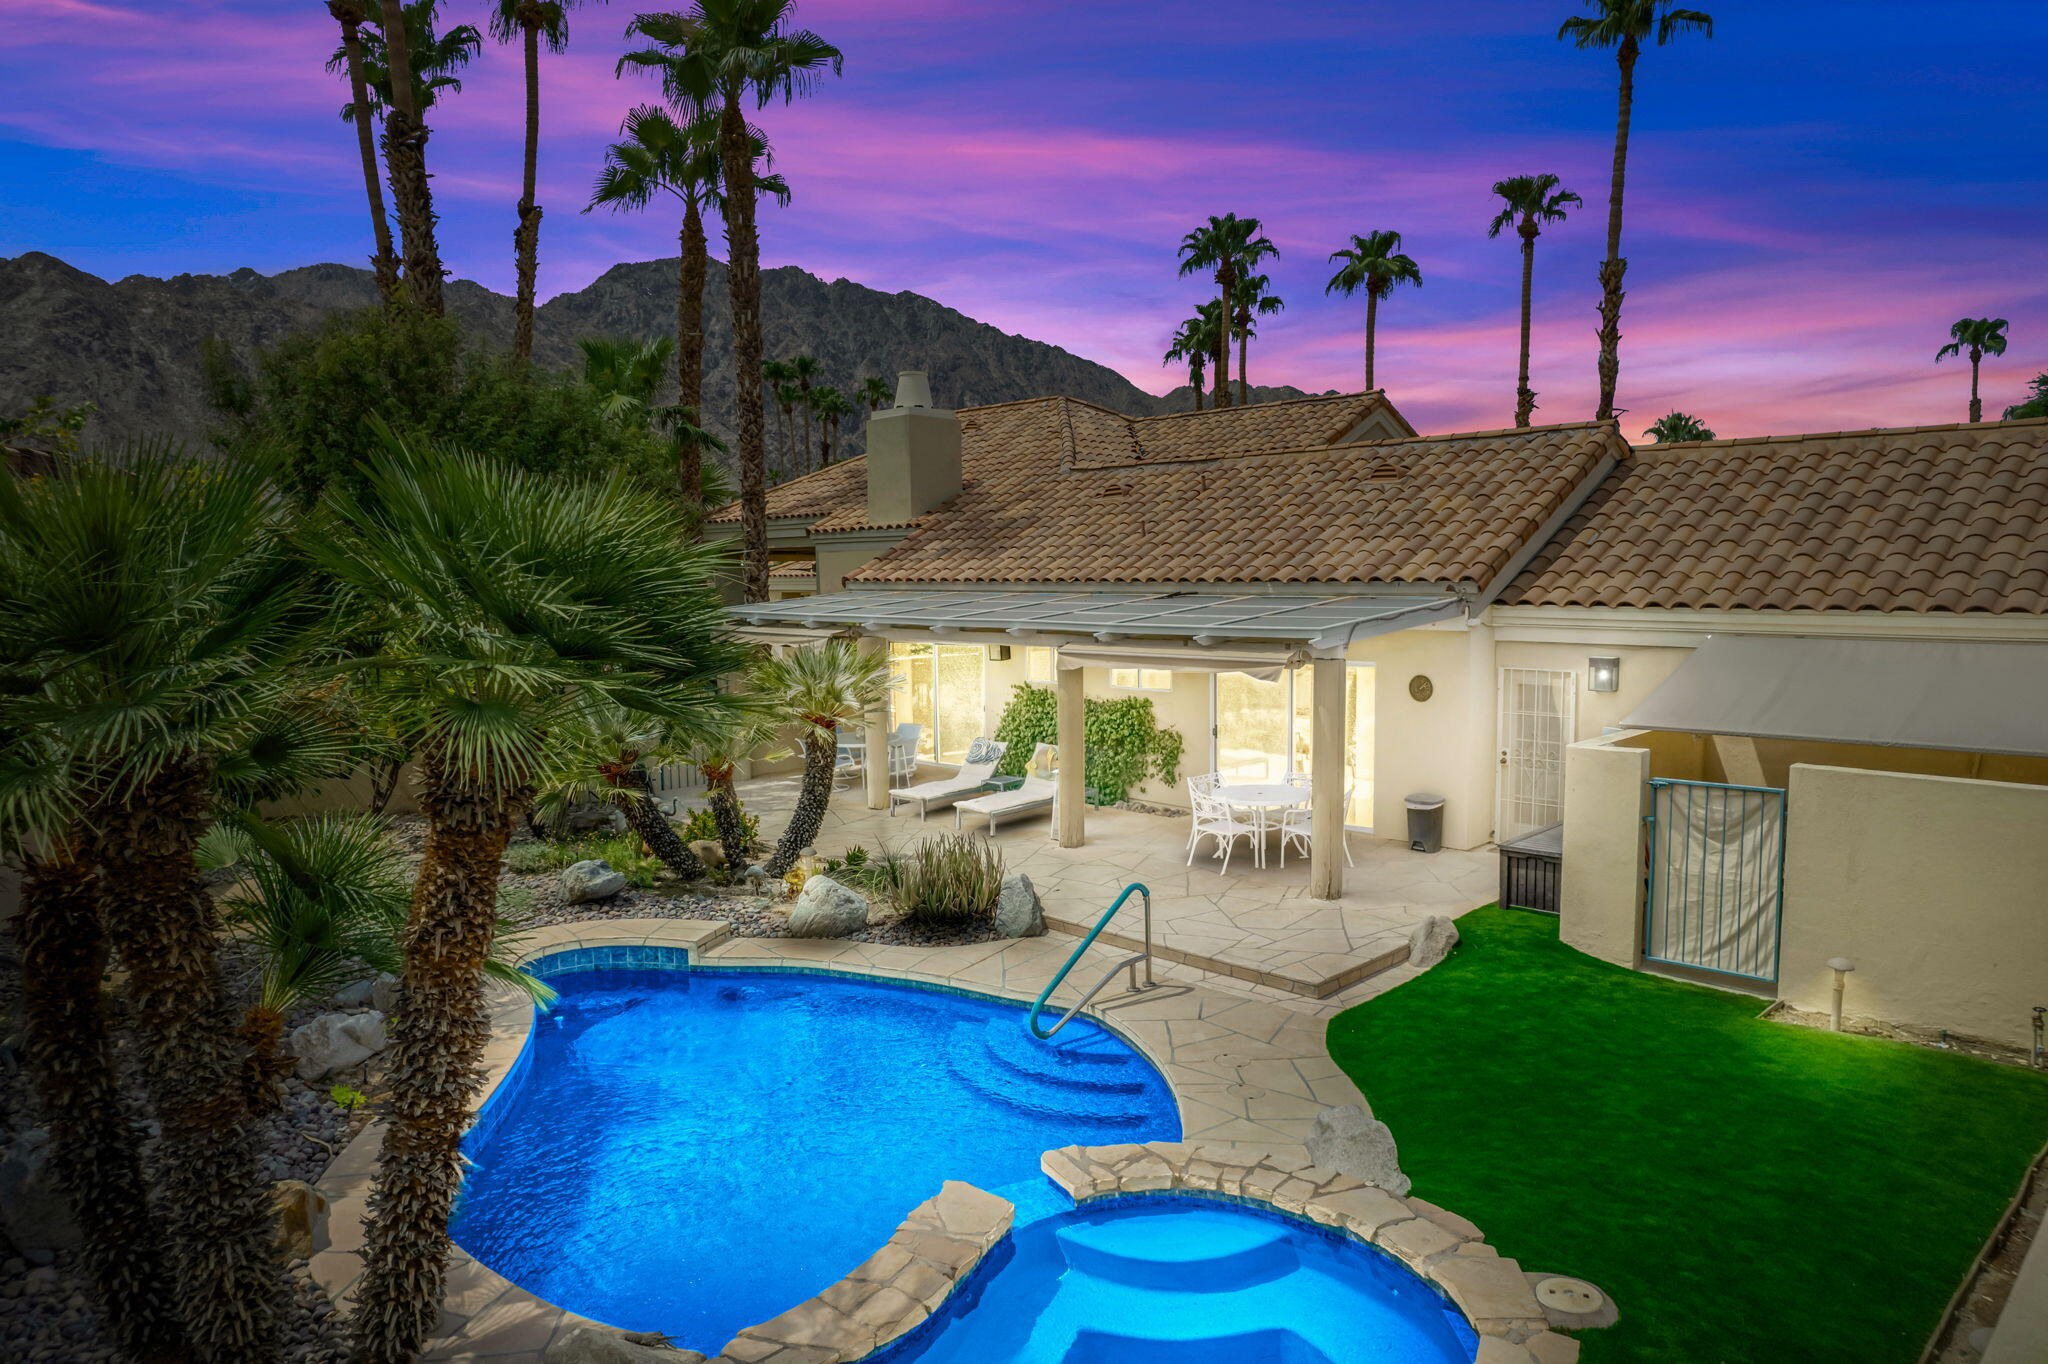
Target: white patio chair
1296,826
1205,782
982,757
903,751
1211,818
1036,794
849,759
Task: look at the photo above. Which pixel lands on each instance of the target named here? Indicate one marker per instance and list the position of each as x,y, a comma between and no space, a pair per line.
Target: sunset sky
1815,193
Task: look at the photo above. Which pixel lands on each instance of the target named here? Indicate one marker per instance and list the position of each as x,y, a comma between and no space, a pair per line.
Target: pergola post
1326,784
875,765
1071,806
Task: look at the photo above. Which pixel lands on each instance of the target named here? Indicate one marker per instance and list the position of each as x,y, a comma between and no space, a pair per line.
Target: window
1142,679
940,689
1263,728
1039,665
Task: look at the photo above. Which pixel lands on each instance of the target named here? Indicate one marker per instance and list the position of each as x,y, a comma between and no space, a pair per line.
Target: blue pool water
695,1151
1163,1279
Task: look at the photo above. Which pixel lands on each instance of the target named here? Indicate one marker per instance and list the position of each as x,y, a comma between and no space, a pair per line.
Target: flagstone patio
1252,923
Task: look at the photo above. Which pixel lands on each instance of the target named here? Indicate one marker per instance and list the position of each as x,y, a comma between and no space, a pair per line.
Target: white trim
1650,625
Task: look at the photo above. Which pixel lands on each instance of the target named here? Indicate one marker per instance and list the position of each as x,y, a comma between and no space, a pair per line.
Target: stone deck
1252,923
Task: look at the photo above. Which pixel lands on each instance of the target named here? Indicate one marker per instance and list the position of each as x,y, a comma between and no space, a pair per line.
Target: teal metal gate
1716,878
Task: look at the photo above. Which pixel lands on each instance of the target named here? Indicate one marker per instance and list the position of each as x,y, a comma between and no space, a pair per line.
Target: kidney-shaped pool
695,1151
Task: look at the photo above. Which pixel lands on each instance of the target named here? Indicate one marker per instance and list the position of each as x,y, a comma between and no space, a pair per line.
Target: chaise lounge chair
974,774
1034,795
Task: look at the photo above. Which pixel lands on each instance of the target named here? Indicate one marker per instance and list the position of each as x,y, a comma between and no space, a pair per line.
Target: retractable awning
1966,697
1319,624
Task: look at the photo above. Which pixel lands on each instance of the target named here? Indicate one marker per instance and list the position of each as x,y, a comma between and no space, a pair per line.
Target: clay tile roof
1939,518
805,568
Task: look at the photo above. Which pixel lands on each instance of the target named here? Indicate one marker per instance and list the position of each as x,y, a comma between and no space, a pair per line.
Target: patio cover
1967,697
1322,624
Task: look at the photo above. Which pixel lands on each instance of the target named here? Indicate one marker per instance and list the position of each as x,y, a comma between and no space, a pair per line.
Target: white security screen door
1538,715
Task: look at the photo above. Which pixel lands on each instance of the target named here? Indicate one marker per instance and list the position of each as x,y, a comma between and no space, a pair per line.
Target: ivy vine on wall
1126,743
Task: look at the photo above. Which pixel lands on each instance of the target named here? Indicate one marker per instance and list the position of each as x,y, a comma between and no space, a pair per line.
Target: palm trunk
725,814
1525,398
526,237
405,159
690,274
1372,322
384,783
1195,382
1225,277
1976,403
634,799
161,919
1614,267
743,277
1244,337
384,261
804,451
436,1060
264,1064
95,1154
821,752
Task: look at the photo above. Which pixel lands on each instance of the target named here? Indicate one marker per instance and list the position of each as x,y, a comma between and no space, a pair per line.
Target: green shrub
951,879
1126,745
531,859
624,851
701,828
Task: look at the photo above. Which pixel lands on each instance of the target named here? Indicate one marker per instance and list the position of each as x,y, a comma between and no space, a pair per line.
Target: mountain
132,347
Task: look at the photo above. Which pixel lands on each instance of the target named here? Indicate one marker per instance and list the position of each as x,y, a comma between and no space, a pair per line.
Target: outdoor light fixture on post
1603,674
1841,966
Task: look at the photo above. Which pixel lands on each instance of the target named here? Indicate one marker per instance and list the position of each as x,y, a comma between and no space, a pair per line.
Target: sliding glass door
941,688
1263,731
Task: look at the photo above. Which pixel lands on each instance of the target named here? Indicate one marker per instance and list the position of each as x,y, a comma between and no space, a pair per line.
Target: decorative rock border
1441,1247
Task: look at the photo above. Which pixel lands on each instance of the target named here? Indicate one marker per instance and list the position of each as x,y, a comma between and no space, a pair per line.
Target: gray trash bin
1425,822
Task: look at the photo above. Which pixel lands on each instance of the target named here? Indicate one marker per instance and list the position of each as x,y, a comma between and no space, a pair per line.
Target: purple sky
1815,194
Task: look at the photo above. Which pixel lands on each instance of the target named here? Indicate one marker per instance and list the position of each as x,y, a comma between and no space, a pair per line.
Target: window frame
1139,683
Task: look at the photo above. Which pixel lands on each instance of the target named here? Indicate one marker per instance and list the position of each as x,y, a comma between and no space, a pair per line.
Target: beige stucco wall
347,795
1606,795
1931,885
1643,670
1444,745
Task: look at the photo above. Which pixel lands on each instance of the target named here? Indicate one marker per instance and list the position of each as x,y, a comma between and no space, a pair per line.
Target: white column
1073,777
1326,787
876,765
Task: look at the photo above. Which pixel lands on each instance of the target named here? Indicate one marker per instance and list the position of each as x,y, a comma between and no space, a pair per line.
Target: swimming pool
695,1151
1167,1279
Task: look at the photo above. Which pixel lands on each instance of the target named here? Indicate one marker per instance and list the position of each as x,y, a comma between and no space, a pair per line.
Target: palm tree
1978,337
788,397
875,392
719,53
1195,343
1623,25
529,21
626,372
819,687
1231,246
1534,200
405,149
510,605
352,15
701,484
777,375
803,369
1678,426
832,408
149,620
434,58
1250,300
1373,262
752,728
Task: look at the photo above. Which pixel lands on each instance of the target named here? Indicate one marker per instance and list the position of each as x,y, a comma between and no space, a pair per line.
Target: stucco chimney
913,454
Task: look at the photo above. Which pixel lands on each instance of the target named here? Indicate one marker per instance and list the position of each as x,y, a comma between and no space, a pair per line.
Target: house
1537,626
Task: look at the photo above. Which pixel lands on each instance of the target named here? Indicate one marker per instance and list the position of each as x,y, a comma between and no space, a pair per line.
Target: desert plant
701,826
951,879
819,687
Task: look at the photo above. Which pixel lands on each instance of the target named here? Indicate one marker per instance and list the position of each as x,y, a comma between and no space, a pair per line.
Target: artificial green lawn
1749,1192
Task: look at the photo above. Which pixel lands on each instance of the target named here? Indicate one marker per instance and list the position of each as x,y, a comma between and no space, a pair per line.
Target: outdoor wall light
1841,966
999,653
1603,674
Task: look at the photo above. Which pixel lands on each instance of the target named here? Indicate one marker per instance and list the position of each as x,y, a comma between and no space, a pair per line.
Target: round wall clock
1420,687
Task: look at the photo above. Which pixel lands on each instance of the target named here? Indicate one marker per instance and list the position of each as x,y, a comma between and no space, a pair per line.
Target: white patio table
1260,798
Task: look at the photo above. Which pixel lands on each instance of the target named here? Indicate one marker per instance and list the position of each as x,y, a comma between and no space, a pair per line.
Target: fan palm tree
435,58
832,408
778,376
788,397
700,482
150,619
530,22
1678,426
352,15
626,372
719,54
1624,25
1195,344
875,392
1528,202
1231,247
1250,300
405,145
1976,337
819,687
509,605
803,369
1373,262
752,728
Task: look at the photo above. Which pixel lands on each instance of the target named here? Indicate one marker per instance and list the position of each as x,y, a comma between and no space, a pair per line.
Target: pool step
1046,1099
1161,1253
1272,1346
1074,1060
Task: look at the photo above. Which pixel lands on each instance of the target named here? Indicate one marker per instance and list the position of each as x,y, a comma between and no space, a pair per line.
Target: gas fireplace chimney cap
913,389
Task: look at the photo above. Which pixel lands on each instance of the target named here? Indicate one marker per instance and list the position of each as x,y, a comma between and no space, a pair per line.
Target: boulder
596,879
1432,941
597,816
1351,1141
709,851
379,992
1018,913
593,1344
335,1042
34,1212
826,909
301,1212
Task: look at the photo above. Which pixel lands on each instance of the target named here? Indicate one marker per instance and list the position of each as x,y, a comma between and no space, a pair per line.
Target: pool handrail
1128,963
